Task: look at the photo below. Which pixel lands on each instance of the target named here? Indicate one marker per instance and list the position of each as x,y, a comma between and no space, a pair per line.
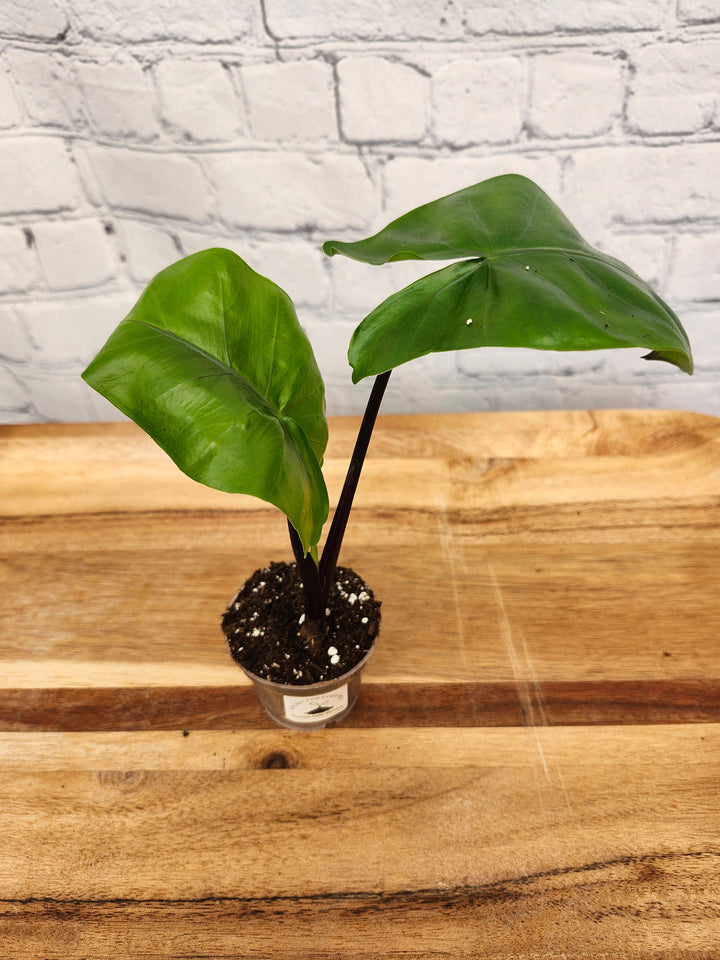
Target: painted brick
157,183
566,393
420,384
519,17
575,95
414,386
197,99
214,21
60,397
192,241
641,184
411,181
676,88
32,19
14,398
37,175
698,393
19,267
14,340
147,249
382,101
74,254
701,321
296,266
72,331
518,361
646,191
89,179
430,371
364,19
632,391
699,11
330,343
274,191
47,88
695,271
10,115
478,100
290,101
360,287
118,99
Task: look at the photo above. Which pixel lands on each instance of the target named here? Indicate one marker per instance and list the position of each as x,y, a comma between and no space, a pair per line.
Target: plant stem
331,550
316,578
314,598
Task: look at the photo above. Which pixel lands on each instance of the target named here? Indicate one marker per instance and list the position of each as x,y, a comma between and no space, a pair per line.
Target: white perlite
128,141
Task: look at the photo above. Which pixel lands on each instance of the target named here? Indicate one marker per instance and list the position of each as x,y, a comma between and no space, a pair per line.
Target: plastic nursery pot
310,707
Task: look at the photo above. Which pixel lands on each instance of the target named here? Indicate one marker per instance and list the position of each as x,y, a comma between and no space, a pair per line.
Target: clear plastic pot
310,707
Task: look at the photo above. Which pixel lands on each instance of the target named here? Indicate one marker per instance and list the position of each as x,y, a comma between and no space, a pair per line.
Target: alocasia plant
213,364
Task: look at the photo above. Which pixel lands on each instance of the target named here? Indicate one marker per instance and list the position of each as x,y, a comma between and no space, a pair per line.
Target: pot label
322,706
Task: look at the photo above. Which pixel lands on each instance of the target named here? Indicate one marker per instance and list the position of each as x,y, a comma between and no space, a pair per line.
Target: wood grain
533,769
384,704
208,845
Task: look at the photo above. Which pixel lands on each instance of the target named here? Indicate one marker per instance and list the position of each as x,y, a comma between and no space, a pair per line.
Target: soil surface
268,633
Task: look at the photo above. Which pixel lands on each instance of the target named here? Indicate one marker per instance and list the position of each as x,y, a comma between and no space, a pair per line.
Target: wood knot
278,760
124,781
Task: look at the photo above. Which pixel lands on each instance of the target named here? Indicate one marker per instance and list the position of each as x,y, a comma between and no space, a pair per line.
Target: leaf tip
678,359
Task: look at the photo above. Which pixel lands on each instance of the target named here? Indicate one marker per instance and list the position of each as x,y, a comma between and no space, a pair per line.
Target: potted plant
213,363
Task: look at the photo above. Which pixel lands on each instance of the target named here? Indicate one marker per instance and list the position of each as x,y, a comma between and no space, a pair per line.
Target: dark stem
308,569
328,560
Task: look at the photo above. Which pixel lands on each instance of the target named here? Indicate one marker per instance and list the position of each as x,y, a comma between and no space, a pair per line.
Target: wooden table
532,771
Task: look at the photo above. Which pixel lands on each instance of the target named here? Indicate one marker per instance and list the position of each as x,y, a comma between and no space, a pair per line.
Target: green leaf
212,363
532,281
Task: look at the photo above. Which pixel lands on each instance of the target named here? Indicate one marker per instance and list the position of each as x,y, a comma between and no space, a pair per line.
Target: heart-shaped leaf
213,364
532,281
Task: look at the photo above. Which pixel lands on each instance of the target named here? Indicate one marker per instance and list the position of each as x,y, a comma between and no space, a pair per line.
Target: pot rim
309,689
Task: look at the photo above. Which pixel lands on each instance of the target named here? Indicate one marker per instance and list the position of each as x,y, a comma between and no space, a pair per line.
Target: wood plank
396,705
647,904
532,770
502,433
113,616
481,459
353,749
479,558
572,866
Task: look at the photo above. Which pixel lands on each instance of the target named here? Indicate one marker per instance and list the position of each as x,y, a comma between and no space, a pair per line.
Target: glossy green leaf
530,281
213,364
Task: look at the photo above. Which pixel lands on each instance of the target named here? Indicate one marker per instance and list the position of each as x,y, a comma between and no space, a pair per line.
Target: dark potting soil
268,634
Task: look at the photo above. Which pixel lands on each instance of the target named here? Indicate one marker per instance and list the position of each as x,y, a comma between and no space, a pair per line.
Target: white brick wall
479,100
197,101
134,132
381,101
676,89
562,87
290,101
